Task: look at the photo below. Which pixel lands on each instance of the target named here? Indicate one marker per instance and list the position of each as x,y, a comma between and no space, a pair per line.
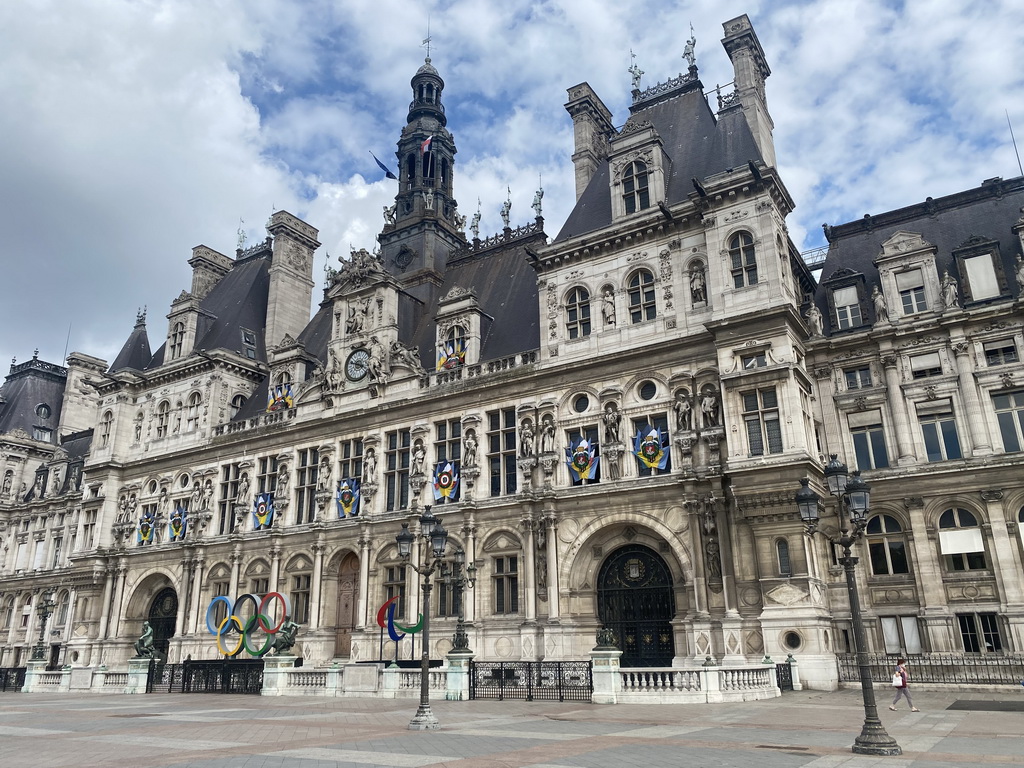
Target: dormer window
177,341
744,261
635,191
847,305
249,343
452,353
910,284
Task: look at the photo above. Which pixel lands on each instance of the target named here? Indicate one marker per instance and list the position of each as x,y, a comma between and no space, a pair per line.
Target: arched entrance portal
635,600
162,618
348,586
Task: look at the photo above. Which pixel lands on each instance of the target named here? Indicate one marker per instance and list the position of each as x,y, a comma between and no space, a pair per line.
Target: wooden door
348,589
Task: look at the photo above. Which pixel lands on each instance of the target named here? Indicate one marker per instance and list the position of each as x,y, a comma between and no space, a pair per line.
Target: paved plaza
802,729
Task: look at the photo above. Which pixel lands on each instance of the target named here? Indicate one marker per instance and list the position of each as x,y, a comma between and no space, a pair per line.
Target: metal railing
530,680
941,668
12,679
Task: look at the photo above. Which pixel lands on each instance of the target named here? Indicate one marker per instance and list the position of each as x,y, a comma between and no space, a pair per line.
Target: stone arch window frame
635,186
193,410
578,312
619,168
163,418
504,589
237,402
106,427
8,611
642,298
744,268
958,517
879,531
298,571
62,610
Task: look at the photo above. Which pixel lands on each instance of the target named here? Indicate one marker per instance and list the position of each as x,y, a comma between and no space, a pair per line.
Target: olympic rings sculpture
387,613
259,620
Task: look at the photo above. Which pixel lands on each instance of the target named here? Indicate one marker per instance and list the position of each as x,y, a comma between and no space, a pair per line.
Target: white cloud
132,131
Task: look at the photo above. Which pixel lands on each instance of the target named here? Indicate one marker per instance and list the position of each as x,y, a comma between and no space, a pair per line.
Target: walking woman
899,682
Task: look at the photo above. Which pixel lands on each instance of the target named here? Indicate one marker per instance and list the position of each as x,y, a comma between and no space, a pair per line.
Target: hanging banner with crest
582,459
446,480
178,524
650,450
263,511
346,497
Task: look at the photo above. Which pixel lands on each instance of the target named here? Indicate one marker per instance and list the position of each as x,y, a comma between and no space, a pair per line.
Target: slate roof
29,385
698,145
135,353
988,211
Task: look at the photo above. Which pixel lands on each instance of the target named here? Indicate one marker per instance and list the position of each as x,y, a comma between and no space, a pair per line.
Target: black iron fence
12,678
784,676
532,680
216,676
958,668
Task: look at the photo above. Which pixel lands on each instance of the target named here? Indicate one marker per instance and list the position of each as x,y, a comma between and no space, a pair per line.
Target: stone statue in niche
526,436
881,308
712,552
709,409
1019,272
428,199
611,419
419,458
950,291
698,285
369,466
547,435
379,364
196,498
683,409
608,306
469,449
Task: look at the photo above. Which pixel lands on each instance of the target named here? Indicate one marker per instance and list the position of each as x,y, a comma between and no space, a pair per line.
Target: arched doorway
348,588
635,600
163,612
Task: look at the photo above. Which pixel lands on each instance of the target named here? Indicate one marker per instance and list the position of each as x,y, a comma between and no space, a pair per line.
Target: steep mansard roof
989,211
28,386
698,145
135,353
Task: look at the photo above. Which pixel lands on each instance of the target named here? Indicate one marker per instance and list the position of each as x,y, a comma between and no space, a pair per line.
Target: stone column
1005,564
108,585
364,577
275,566
197,591
530,591
980,441
898,409
458,675
117,609
314,594
699,622
469,596
179,619
236,564
928,575
552,544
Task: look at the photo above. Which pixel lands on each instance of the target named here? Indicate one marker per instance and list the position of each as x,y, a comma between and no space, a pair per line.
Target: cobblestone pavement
802,729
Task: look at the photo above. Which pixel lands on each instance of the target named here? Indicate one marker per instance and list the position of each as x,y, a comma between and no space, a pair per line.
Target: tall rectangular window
910,284
901,634
88,529
506,584
449,600
266,475
869,445
1010,415
501,451
300,598
394,586
220,610
646,425
761,417
1001,352
847,305
351,463
305,485
229,475
941,441
58,543
397,455
589,434
448,447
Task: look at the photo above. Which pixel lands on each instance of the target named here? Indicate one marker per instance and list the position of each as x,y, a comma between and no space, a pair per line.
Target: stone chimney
750,70
592,126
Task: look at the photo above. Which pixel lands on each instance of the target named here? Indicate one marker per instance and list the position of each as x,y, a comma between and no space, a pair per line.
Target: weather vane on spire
241,234
634,70
427,39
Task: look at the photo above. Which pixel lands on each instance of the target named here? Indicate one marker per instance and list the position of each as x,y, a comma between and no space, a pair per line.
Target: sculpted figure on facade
5,490
474,225
526,437
709,409
419,458
404,356
208,496
611,419
469,449
243,489
698,285
335,371
608,306
536,205
950,291
683,409
881,308
379,366
814,321
1019,273
506,209
55,485
195,499
370,466
283,477
390,213
547,435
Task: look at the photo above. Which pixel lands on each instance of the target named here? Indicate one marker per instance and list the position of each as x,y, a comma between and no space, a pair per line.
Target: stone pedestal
275,674
607,680
794,672
458,675
138,675
362,678
33,671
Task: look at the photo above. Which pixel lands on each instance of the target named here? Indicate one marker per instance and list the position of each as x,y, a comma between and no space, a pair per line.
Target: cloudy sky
133,130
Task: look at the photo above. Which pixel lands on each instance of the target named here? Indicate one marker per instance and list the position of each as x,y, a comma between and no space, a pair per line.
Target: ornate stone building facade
629,407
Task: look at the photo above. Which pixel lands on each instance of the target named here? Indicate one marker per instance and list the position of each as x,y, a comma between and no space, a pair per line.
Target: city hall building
611,418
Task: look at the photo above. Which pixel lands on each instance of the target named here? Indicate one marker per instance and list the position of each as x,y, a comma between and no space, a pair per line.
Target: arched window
410,168
26,610
8,612
195,402
641,296
236,404
106,424
577,313
63,604
782,550
428,168
163,418
177,341
960,541
452,353
887,546
744,263
635,192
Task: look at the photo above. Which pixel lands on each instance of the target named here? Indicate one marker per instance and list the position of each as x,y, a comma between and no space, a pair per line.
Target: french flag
425,146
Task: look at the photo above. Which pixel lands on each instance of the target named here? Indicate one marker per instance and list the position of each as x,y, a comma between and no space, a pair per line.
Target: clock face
357,365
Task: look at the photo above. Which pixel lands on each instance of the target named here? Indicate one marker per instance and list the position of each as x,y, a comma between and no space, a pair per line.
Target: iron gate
12,678
216,676
531,680
784,676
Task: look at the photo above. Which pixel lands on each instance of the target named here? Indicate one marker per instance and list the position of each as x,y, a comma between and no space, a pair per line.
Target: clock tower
424,227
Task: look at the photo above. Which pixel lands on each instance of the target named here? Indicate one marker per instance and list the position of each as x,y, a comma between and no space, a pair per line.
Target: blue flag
383,167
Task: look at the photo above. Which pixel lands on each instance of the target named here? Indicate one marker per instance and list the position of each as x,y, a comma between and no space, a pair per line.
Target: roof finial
635,71
241,234
427,39
688,53
140,317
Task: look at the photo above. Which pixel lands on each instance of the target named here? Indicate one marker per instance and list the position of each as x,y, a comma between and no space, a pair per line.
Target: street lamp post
45,608
433,533
457,576
854,497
